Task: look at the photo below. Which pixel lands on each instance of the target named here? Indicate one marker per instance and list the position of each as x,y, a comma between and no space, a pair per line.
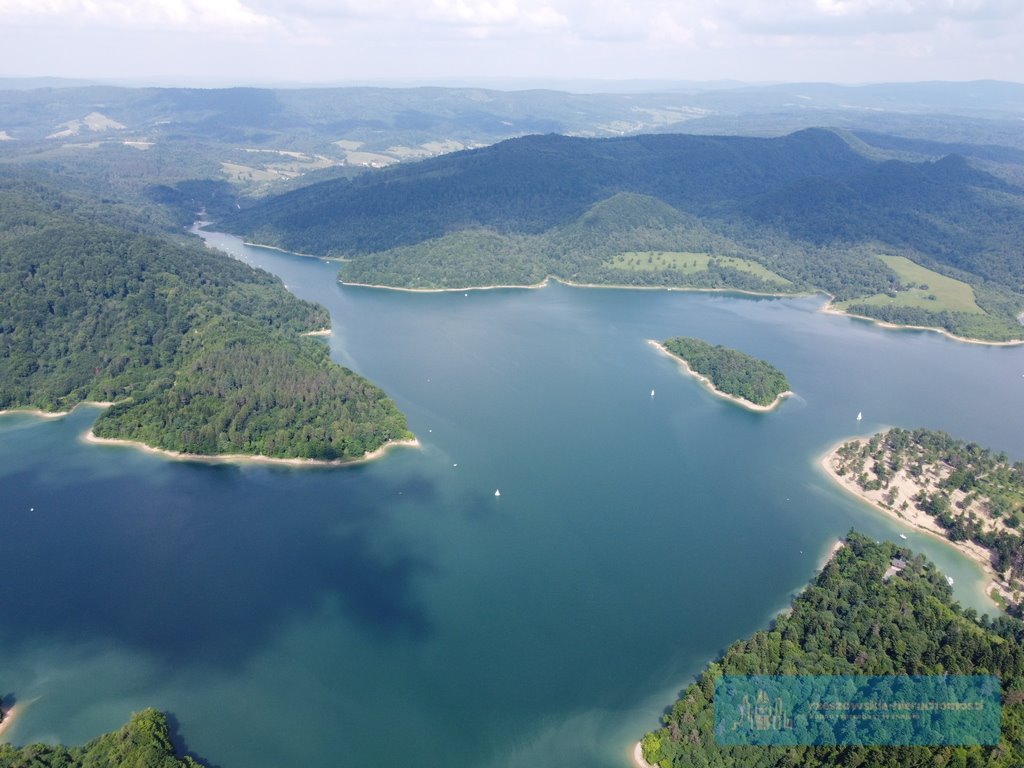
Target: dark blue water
397,612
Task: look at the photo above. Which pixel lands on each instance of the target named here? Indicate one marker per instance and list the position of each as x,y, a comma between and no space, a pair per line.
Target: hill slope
806,207
202,353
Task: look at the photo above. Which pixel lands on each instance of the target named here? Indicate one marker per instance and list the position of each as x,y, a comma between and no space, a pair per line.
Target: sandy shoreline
467,289
828,309
243,458
8,719
570,283
717,392
916,518
638,757
290,253
53,414
839,544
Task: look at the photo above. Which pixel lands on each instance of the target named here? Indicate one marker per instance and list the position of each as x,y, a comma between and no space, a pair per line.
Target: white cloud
144,14
858,17
846,40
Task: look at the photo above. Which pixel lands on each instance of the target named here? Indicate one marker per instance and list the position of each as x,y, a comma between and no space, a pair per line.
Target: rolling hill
808,207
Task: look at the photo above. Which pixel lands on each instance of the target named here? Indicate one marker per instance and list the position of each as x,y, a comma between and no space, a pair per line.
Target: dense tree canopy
145,742
854,619
202,353
806,206
731,371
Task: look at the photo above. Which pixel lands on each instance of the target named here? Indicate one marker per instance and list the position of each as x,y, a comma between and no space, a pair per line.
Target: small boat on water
859,415
903,536
497,493
652,393
949,580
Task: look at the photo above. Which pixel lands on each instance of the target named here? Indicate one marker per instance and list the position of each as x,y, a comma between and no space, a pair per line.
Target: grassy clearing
689,264
931,291
239,173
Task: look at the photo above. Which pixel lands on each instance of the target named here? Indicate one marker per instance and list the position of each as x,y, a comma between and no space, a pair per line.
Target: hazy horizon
317,42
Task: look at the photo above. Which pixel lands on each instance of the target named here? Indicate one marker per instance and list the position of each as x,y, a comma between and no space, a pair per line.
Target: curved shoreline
41,414
245,458
8,719
917,520
638,757
283,250
829,309
541,284
743,403
570,283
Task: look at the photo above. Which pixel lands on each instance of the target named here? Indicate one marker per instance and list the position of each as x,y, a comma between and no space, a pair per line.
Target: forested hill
875,609
534,183
810,212
202,353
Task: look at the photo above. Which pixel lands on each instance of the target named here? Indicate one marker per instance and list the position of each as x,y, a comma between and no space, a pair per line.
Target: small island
960,491
729,373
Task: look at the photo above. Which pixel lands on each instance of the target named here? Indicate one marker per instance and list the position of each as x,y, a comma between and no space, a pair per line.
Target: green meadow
690,263
928,290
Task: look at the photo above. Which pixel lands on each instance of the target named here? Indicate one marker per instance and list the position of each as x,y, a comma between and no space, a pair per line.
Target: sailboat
859,415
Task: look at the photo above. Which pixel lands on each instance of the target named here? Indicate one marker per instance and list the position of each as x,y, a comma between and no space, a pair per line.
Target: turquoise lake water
397,612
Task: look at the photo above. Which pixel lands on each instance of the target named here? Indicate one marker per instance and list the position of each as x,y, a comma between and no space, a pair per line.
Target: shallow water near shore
397,612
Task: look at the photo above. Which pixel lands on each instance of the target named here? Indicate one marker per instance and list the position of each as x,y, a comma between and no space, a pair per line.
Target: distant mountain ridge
806,206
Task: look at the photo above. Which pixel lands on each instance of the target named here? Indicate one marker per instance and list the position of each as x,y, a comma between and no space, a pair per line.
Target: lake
397,612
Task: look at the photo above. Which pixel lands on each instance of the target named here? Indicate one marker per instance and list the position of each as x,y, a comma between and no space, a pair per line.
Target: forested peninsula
932,244
729,373
961,491
199,354
145,742
875,609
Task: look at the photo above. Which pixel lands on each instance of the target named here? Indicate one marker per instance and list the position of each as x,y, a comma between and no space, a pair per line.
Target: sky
219,42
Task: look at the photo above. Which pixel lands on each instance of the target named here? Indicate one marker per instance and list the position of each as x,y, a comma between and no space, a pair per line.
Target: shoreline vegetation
875,608
958,492
829,309
245,458
199,353
41,414
671,210
710,386
614,286
224,458
919,521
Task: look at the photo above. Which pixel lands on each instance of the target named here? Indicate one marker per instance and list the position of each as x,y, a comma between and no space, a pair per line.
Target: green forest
853,619
200,353
145,742
806,207
731,371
